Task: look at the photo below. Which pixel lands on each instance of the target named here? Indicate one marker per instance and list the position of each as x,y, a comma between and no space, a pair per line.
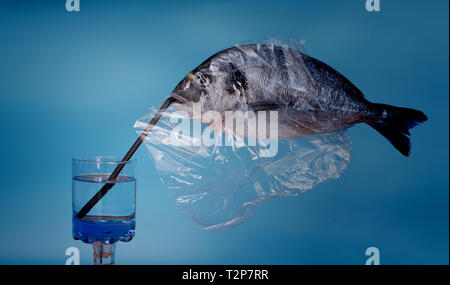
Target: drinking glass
113,218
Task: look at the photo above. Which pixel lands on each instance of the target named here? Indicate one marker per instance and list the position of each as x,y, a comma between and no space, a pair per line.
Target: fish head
217,84
196,85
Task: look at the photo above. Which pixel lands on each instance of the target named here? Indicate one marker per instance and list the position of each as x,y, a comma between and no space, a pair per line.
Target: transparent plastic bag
217,184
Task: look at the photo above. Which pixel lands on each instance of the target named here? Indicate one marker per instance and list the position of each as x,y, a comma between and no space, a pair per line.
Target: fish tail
394,124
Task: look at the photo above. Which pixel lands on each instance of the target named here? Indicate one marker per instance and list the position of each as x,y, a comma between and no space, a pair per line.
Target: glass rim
102,159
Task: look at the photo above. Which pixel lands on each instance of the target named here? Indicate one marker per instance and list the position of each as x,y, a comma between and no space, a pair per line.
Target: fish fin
394,124
263,106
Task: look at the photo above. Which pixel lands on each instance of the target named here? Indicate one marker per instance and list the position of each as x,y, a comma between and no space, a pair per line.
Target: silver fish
309,96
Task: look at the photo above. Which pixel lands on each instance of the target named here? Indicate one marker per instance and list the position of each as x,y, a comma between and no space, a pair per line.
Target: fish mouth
179,99
187,97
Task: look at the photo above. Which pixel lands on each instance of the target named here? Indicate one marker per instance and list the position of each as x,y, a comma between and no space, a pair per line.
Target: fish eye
202,79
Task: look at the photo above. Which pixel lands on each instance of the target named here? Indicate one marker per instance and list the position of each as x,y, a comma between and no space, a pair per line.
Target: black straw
99,195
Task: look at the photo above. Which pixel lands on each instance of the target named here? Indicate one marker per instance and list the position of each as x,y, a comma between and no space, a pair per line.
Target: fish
309,96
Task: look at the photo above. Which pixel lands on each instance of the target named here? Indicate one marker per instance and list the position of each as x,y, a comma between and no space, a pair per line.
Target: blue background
73,83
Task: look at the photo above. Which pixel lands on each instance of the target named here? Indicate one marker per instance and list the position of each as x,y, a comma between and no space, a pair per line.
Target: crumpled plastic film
219,186
218,183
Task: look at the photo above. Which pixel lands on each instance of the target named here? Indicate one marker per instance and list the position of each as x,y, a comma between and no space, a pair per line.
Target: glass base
104,254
